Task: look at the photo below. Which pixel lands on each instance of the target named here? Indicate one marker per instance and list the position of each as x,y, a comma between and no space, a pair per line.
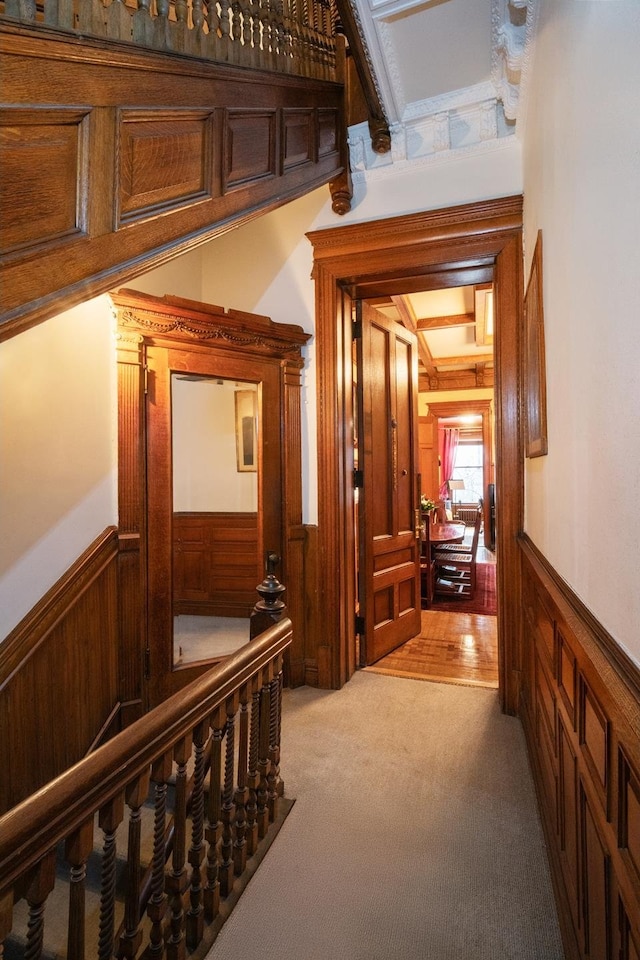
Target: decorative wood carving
592,819
201,338
350,261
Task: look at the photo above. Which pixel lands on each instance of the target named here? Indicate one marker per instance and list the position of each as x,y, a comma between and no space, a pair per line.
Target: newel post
271,608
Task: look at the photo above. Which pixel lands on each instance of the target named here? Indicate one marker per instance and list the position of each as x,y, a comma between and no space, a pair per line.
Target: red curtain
447,445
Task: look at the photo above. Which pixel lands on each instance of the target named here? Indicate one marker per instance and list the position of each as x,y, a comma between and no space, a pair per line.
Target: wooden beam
439,323
408,320
468,359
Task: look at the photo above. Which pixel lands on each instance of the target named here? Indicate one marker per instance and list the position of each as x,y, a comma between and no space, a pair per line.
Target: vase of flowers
426,505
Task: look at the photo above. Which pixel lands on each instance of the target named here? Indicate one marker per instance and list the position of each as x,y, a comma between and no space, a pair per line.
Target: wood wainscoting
580,706
59,675
216,564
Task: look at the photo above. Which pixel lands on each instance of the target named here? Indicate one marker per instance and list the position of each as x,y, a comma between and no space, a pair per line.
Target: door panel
389,573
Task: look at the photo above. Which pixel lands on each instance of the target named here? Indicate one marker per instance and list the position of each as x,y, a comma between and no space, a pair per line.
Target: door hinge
145,374
147,663
356,330
358,479
359,626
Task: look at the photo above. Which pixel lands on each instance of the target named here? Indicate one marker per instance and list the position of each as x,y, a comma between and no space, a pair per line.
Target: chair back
476,532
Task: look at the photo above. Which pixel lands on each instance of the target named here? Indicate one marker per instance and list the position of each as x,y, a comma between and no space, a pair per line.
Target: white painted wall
582,188
58,456
265,266
205,470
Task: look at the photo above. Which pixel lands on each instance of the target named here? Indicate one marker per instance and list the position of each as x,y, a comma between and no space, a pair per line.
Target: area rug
484,601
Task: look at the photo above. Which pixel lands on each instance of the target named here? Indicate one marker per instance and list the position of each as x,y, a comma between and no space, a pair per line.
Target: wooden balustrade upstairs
203,770
283,36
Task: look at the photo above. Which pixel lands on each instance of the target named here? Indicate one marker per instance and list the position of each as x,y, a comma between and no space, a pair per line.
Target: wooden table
446,533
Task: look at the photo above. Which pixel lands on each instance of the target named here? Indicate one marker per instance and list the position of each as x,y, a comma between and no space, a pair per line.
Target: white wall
582,188
58,453
265,266
205,470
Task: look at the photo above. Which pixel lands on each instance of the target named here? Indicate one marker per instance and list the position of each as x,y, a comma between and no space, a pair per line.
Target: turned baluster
213,37
143,25
256,40
157,905
131,936
177,880
195,916
228,807
180,32
276,787
242,790
225,28
109,819
119,24
39,889
6,917
213,830
262,814
253,778
77,849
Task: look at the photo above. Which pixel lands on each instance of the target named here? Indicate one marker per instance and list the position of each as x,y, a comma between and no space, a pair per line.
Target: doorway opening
470,244
456,638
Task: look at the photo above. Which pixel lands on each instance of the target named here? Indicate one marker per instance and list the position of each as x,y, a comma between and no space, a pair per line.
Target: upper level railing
286,36
202,771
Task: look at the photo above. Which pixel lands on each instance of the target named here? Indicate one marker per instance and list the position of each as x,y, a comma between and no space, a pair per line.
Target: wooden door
389,574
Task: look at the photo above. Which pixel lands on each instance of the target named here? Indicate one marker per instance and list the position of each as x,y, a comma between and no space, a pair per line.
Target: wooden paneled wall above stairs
115,158
581,713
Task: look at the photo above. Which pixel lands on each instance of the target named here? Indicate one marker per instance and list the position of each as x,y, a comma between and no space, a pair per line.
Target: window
469,468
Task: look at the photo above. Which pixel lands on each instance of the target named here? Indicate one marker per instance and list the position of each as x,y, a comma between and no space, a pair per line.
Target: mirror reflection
215,451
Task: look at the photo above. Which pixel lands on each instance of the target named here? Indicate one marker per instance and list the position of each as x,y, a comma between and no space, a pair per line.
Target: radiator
467,514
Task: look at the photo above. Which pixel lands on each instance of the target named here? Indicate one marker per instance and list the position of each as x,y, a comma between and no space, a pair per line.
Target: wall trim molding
607,646
26,637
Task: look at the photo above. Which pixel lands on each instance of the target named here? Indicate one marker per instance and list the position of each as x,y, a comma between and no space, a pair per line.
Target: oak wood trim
352,258
41,66
599,640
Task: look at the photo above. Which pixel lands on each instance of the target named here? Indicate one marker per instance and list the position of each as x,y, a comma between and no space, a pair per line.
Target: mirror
216,470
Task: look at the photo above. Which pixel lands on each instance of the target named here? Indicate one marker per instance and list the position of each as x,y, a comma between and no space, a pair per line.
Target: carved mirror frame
147,325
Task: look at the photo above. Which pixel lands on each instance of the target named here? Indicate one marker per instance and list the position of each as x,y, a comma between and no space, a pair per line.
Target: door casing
473,243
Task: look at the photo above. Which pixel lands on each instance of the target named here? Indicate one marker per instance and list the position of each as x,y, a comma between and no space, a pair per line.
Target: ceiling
449,74
454,327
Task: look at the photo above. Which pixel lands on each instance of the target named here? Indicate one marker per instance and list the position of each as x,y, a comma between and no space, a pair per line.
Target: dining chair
455,571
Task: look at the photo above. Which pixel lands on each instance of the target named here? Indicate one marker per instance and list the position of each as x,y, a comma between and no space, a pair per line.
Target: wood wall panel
593,727
59,675
328,129
216,566
42,195
593,827
249,147
165,161
146,167
595,886
298,141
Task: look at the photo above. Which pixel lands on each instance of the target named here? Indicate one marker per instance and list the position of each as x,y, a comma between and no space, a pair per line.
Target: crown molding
462,122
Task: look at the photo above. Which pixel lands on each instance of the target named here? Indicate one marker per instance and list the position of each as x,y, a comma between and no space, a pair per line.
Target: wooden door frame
484,241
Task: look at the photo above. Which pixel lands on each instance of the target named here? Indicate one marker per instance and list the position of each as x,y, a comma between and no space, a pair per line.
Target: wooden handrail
61,807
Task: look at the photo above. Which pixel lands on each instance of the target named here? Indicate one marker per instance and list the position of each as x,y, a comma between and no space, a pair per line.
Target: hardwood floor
451,648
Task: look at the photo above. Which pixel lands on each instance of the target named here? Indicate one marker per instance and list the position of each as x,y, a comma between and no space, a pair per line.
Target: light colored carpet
414,834
205,638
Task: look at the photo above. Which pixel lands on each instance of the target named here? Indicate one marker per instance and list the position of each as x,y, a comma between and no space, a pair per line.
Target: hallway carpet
414,835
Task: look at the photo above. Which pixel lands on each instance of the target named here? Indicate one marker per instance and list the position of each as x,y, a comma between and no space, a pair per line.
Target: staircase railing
285,36
203,770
